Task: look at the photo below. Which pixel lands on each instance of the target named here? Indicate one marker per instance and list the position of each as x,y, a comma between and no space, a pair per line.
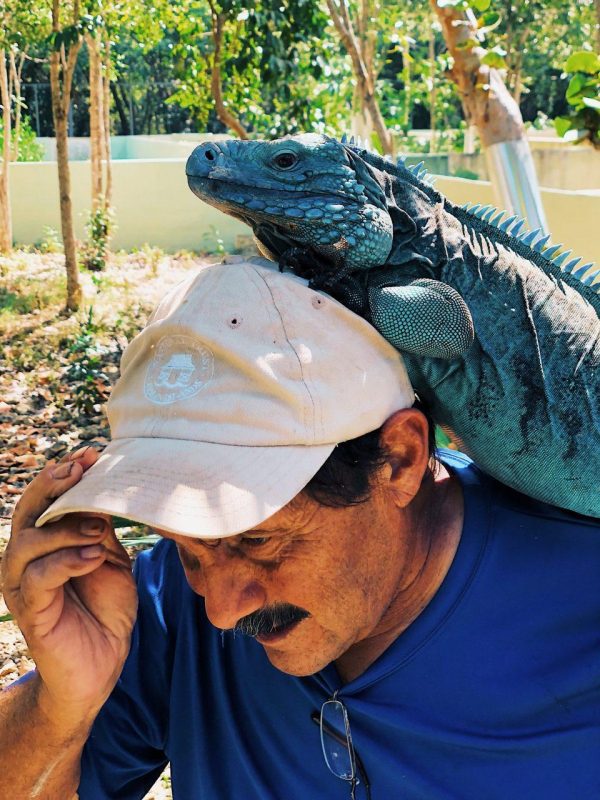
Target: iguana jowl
501,337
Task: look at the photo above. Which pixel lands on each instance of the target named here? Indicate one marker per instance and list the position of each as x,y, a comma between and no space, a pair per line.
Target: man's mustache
270,619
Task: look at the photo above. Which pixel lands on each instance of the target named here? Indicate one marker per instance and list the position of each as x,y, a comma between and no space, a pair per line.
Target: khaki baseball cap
232,398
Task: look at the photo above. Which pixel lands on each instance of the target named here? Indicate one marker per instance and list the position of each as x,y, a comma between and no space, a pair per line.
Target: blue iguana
500,332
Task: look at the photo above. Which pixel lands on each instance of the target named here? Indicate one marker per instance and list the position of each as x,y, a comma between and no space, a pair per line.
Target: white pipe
515,184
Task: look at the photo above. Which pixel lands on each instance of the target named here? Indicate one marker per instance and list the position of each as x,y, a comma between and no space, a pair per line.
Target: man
415,629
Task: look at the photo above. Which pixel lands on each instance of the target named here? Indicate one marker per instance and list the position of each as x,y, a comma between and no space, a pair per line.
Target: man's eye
255,541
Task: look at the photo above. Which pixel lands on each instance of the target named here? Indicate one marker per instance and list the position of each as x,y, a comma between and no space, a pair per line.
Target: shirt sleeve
125,752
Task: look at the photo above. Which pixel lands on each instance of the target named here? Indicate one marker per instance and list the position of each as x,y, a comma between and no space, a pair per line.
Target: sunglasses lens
336,740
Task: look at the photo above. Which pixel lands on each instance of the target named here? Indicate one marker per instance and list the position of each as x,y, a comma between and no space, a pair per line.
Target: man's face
341,566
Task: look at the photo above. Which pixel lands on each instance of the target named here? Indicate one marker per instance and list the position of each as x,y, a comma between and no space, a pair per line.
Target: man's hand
69,586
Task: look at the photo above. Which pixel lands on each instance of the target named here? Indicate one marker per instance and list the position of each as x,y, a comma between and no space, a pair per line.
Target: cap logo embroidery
179,369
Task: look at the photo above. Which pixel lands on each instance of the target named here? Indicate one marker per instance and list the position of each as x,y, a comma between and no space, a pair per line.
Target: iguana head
306,191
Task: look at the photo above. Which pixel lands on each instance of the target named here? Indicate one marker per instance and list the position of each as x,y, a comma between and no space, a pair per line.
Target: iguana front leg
419,316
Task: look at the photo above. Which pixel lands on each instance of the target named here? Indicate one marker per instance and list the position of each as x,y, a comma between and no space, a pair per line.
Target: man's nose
231,590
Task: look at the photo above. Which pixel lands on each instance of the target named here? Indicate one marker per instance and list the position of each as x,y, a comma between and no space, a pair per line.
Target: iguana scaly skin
500,336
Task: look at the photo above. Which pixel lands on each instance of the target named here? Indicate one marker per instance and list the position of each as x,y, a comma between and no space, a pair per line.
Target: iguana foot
425,317
298,260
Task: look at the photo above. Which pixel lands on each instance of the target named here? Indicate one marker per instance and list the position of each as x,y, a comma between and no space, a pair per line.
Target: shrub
29,148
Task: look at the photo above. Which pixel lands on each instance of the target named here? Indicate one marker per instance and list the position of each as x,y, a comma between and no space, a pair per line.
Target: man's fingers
35,543
51,482
43,581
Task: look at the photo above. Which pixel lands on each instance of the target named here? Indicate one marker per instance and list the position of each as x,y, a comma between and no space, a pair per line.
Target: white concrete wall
154,205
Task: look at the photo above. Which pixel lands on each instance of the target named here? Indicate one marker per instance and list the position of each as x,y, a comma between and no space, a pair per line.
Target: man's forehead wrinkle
297,514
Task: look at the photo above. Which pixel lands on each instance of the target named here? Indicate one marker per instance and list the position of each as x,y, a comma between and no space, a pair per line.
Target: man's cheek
192,569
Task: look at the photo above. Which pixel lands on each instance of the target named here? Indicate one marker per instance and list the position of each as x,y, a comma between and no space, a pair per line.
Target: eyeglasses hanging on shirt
338,749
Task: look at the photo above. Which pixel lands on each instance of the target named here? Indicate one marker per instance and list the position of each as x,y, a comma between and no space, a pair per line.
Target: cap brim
198,489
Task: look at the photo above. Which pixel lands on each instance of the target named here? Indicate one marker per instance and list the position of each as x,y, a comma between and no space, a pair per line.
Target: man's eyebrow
260,531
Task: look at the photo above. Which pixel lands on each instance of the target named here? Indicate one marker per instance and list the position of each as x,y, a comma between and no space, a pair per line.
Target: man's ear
405,438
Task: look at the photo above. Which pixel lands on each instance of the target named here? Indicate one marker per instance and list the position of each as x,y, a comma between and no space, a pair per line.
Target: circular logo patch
180,367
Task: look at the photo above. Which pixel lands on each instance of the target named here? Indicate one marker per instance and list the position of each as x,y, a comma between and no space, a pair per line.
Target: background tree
20,26
5,211
272,54
489,106
358,35
65,43
583,96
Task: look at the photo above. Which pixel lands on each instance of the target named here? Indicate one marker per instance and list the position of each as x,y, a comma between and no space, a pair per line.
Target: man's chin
300,665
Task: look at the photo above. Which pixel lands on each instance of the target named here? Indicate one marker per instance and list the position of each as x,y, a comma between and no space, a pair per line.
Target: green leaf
495,58
583,61
466,44
6,617
441,439
480,5
562,125
489,20
579,87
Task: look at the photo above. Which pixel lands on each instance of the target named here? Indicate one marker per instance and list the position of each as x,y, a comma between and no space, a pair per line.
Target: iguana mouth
208,189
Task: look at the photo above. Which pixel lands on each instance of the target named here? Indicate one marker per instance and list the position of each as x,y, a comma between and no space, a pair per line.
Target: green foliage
449,139
99,228
152,256
21,293
441,438
274,56
212,242
413,90
88,382
29,148
583,97
461,172
51,241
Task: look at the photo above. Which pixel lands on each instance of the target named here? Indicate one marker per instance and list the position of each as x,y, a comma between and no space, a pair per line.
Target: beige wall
556,167
154,205
152,201
573,217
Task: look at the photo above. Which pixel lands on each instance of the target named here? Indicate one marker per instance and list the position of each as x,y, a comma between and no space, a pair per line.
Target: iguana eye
285,160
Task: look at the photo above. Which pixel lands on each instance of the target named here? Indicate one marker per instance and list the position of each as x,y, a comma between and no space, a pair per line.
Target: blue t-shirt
492,693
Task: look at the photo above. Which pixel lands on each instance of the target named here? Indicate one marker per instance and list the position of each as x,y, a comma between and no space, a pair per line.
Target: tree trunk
62,66
96,121
106,155
15,91
486,101
489,106
597,7
360,124
121,109
432,92
407,79
5,210
223,113
361,61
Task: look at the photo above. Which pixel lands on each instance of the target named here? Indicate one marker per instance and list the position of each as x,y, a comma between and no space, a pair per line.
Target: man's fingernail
79,453
63,470
91,551
91,527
